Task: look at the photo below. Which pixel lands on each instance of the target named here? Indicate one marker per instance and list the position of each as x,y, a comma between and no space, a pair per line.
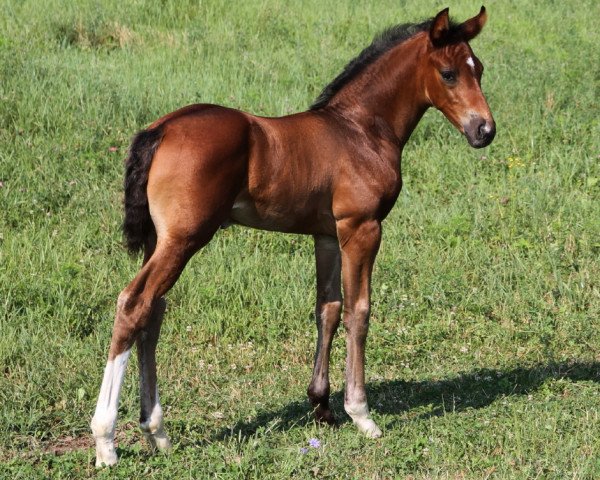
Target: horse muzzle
480,132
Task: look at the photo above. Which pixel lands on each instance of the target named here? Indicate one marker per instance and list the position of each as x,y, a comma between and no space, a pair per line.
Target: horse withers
332,172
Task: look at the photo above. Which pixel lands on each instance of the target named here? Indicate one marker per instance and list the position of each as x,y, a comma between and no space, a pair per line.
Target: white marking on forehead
471,62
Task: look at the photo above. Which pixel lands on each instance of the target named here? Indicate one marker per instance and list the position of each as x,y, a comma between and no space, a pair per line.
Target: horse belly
244,212
315,218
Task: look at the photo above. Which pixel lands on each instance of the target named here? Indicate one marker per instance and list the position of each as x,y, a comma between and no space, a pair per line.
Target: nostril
486,130
482,130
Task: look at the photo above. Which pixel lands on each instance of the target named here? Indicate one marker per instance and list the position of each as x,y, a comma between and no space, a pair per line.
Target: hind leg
151,414
139,309
192,184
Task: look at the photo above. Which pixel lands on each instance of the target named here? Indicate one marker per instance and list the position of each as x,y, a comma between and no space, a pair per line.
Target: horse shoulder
369,182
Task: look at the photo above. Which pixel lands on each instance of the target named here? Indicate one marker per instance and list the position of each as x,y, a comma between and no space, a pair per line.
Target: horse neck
390,89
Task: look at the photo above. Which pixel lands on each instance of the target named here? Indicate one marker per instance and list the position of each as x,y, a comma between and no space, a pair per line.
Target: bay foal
332,172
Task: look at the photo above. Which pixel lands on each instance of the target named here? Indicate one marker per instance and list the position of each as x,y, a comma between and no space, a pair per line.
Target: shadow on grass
476,389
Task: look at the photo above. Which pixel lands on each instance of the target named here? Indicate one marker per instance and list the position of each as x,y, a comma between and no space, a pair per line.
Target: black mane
383,42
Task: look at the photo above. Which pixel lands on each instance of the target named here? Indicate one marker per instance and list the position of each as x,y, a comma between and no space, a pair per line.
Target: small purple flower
314,443
304,451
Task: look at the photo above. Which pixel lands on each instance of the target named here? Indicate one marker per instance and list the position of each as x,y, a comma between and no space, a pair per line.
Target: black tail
137,225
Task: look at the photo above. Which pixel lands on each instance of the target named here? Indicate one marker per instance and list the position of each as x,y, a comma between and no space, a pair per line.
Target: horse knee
330,311
356,318
362,309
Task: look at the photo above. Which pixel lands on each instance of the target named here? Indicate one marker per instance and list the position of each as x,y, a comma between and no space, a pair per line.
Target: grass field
483,359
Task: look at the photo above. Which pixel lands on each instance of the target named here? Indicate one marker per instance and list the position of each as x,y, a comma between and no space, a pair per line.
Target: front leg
327,315
359,243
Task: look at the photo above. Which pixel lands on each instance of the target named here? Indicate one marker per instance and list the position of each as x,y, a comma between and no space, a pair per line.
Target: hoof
361,418
159,442
106,456
369,428
324,415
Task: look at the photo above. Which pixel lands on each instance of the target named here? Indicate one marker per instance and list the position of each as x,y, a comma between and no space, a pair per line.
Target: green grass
484,348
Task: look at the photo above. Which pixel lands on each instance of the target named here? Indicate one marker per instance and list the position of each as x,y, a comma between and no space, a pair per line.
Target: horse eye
449,76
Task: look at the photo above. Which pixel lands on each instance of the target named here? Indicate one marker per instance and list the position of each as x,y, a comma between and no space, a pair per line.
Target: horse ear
440,27
471,28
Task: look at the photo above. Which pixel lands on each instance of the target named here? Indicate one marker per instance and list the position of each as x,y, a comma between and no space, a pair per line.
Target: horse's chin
479,142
